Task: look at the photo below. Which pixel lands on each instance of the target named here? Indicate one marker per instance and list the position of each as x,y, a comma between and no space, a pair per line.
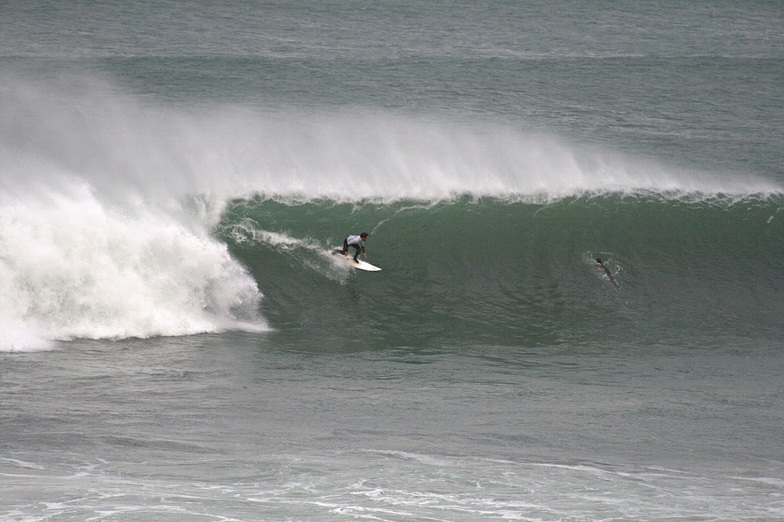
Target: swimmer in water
607,272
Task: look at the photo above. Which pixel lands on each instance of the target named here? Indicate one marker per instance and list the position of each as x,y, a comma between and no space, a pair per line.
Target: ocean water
177,342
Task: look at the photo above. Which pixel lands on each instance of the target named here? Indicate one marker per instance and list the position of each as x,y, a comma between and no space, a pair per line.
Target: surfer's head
599,260
364,235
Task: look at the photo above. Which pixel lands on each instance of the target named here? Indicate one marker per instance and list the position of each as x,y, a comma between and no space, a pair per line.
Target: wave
120,217
473,269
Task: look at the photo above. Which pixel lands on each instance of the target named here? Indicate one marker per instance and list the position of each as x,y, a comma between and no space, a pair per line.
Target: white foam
71,266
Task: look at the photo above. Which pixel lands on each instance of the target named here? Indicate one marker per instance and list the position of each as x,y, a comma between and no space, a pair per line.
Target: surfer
358,242
607,271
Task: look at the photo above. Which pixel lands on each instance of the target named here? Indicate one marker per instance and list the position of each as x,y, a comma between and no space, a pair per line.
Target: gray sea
177,341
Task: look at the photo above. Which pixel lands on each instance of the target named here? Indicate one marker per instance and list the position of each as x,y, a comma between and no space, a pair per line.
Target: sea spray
124,146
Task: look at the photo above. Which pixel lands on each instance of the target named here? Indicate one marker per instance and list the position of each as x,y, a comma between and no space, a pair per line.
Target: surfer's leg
356,254
345,246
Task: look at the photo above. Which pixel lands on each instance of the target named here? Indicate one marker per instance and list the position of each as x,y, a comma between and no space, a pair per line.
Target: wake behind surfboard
361,265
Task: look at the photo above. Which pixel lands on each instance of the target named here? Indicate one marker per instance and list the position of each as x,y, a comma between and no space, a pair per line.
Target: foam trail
307,252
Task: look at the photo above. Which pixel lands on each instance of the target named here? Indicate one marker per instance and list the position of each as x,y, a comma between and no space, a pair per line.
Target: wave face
123,218
518,273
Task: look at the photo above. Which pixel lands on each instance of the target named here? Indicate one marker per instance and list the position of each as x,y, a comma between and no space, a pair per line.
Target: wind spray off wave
125,148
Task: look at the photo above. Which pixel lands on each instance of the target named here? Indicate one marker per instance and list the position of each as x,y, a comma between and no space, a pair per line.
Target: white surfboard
362,265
